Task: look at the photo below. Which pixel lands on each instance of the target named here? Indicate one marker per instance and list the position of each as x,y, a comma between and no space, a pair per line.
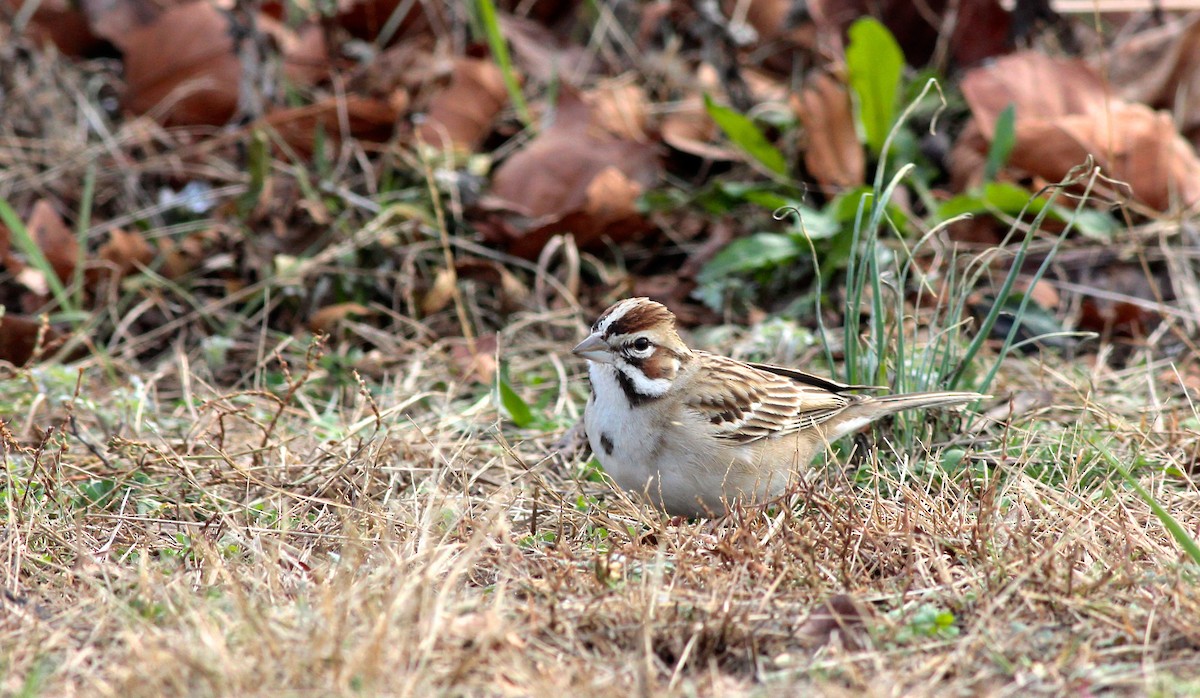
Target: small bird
693,432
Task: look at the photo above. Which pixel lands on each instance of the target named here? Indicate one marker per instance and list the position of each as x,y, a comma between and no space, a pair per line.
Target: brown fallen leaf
461,115
56,241
366,18
326,319
114,19
125,252
841,615
540,55
478,365
573,177
440,292
306,59
979,29
619,107
196,80
1160,67
59,22
21,338
1064,115
833,156
358,117
688,128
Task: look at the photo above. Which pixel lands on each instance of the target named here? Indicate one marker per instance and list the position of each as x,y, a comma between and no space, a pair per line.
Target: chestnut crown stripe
633,315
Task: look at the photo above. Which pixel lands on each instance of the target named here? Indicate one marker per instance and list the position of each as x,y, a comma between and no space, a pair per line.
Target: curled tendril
783,211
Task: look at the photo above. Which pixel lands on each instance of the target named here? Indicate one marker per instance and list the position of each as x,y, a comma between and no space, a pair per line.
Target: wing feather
747,402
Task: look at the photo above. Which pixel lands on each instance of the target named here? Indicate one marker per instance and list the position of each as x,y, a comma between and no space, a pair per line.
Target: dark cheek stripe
635,398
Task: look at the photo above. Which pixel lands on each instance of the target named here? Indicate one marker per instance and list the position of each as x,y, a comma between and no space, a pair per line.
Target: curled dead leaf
326,319
574,177
1064,115
461,115
56,241
197,80
619,107
478,364
689,129
23,338
840,616
440,293
358,117
833,156
125,252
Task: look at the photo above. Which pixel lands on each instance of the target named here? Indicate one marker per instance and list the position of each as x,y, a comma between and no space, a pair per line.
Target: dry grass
305,539
215,525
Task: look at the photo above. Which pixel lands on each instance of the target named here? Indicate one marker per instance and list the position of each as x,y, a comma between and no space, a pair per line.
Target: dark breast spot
606,444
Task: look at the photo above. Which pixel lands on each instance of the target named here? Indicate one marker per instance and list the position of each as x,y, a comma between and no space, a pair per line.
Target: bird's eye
641,344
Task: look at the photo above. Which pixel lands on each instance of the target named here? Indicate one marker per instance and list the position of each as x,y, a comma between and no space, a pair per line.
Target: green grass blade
745,135
1003,139
1169,522
499,47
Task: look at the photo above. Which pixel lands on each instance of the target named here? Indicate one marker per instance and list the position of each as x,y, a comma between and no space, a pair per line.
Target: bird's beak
594,349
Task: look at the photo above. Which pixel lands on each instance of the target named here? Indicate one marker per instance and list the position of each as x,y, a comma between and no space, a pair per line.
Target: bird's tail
875,407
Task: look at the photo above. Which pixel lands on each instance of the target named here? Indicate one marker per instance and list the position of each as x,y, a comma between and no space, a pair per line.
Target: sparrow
695,433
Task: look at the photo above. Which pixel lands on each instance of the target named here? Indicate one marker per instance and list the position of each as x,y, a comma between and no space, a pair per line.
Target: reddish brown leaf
193,82
574,177
115,19
366,18
1064,115
126,252
22,337
359,117
833,155
478,365
689,129
54,239
58,22
461,115
327,318
620,108
841,615
979,29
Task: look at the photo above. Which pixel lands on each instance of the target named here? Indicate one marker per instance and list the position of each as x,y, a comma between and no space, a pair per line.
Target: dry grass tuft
168,537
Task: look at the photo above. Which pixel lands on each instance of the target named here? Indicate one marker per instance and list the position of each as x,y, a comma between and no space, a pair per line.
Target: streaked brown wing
747,402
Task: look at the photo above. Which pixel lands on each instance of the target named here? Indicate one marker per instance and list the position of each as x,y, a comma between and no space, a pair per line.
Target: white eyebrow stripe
616,314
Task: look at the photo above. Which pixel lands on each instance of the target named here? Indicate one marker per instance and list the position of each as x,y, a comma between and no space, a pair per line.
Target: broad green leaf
758,251
517,409
745,135
1003,138
876,63
1009,199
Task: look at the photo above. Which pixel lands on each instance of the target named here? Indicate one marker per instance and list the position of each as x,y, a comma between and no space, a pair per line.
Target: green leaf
517,409
996,196
745,135
758,251
876,63
1003,138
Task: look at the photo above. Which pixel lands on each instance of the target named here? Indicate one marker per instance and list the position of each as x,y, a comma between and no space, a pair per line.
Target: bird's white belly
659,456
